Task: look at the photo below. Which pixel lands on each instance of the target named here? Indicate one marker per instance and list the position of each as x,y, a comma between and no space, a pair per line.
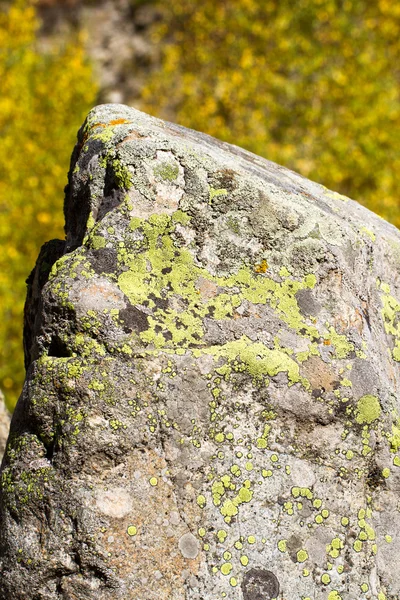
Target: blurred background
313,85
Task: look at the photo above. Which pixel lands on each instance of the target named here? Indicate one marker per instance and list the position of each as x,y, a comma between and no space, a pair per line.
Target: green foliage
313,85
44,98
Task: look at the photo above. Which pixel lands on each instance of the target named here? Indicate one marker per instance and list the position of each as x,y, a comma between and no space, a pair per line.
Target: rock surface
211,405
4,425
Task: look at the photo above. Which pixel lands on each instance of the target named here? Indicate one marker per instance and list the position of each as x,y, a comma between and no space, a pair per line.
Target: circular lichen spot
302,556
318,519
282,545
368,409
260,584
334,595
132,530
188,545
221,535
201,500
226,568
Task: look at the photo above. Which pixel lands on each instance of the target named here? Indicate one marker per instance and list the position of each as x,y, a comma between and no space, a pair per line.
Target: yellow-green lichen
394,437
333,549
97,242
167,170
221,535
318,519
282,545
255,358
132,530
342,346
390,314
201,500
369,233
302,555
368,409
214,193
163,271
105,135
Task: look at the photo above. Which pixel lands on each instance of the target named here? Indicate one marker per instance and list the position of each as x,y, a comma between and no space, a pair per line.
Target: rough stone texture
4,425
211,406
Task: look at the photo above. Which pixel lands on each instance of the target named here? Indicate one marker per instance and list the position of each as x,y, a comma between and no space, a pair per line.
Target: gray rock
211,406
4,425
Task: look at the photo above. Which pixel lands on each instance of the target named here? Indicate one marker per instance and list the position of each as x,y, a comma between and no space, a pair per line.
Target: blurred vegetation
313,85
44,98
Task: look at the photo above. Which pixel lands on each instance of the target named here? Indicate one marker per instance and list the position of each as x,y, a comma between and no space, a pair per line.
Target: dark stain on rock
375,478
103,260
226,178
109,202
364,378
134,319
260,584
293,545
161,303
307,303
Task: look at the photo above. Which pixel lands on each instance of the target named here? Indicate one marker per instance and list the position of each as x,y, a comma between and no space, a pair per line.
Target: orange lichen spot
119,122
88,132
261,267
327,342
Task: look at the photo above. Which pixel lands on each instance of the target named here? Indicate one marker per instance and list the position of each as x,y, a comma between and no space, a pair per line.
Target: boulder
211,406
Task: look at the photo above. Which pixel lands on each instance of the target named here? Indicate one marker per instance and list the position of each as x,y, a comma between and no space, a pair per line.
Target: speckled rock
211,406
4,425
